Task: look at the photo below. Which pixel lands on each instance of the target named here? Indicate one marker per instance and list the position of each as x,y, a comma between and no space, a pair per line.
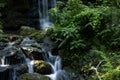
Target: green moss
38,36
42,67
27,31
36,46
33,76
4,40
1,31
33,34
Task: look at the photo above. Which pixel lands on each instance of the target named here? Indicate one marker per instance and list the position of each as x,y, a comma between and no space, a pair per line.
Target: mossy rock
4,38
42,67
32,33
33,76
25,31
49,31
39,36
1,31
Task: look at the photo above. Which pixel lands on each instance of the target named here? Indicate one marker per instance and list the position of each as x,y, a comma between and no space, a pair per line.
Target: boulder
33,76
26,30
42,67
33,52
31,49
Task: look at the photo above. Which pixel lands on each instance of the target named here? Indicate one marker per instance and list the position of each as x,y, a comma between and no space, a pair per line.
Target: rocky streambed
26,59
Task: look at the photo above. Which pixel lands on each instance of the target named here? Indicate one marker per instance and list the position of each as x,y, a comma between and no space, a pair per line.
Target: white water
55,62
44,20
3,60
30,64
14,74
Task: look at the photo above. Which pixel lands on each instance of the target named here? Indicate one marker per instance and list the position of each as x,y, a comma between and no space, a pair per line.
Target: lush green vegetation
89,37
87,34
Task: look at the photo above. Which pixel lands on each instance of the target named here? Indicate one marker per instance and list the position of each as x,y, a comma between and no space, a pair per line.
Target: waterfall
55,62
30,64
3,64
53,4
3,60
44,21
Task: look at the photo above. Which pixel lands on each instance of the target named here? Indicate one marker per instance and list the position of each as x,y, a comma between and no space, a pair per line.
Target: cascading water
3,61
43,7
30,64
55,62
11,69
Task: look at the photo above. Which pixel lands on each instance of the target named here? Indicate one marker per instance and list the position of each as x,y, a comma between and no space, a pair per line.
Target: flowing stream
30,64
17,56
54,61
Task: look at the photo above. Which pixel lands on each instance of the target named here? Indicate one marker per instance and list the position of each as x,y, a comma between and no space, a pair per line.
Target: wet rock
13,55
14,37
21,69
32,52
27,31
33,76
28,42
32,49
2,45
42,67
4,67
15,59
37,55
8,51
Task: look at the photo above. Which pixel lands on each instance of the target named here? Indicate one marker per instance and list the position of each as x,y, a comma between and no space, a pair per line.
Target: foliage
108,3
89,34
68,37
86,23
112,75
100,65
